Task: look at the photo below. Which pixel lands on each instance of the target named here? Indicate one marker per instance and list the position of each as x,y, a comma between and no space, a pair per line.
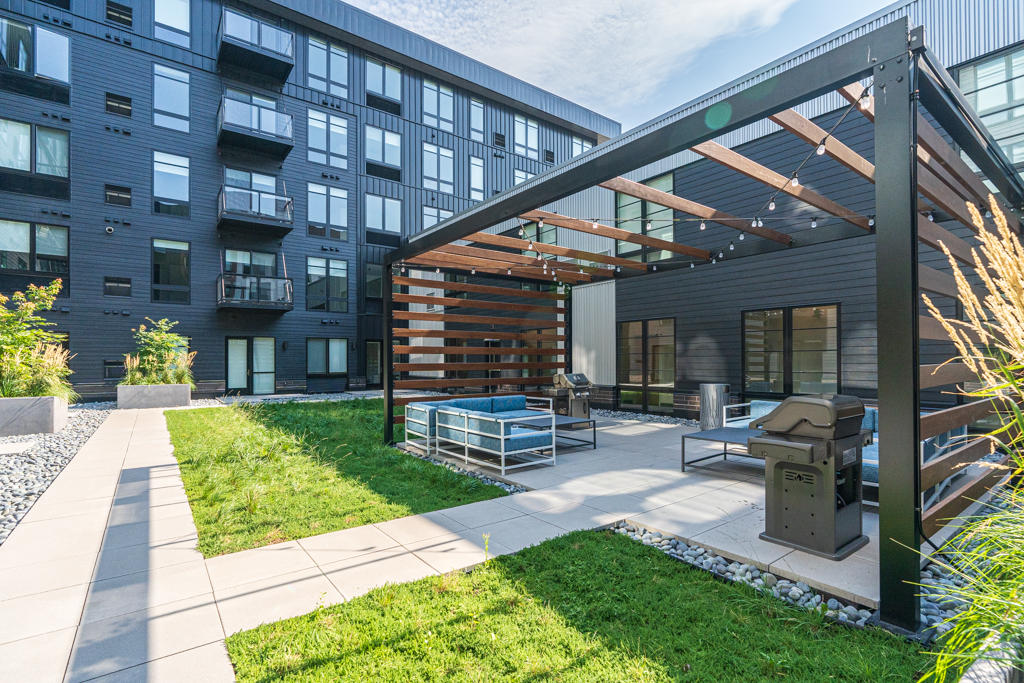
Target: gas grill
812,451
570,394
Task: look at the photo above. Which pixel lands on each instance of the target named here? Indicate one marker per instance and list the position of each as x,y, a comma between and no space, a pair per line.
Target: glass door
373,362
238,365
647,365
263,374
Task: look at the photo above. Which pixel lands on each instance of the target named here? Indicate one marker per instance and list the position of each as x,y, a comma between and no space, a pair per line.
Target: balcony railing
239,202
254,291
260,120
258,34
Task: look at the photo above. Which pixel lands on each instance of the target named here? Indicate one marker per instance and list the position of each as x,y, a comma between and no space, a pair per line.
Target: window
170,98
433,215
170,184
525,140
170,272
791,350
118,195
117,286
645,218
579,145
34,50
259,263
326,356
383,213
383,146
119,104
328,67
520,176
995,88
647,365
32,247
438,168
326,211
374,281
48,155
383,79
476,120
326,285
113,369
548,234
119,14
476,178
327,139
171,21
438,106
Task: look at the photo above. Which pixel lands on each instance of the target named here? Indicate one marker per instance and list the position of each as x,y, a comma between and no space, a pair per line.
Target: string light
795,182
691,265
713,261
703,225
743,236
437,270
760,223
472,271
732,247
821,148
648,226
540,224
871,222
721,254
865,100
529,247
508,272
655,268
753,223
771,205
931,217
814,222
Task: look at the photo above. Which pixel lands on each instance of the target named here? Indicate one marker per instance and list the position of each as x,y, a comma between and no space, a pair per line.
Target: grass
261,475
590,606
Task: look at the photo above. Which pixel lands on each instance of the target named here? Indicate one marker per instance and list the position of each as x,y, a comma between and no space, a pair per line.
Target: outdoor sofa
500,431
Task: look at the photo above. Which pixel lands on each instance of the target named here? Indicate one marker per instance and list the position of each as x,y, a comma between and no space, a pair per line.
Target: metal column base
841,552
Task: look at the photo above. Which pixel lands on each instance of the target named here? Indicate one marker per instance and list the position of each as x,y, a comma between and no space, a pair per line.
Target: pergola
923,130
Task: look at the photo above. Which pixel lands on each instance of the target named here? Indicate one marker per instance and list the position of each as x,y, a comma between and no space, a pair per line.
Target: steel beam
897,320
386,365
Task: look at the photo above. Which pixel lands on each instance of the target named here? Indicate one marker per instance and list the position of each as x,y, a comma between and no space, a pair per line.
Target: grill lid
825,416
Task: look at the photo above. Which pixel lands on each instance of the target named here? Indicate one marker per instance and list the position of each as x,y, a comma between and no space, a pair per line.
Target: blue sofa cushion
512,414
481,404
503,404
518,439
424,412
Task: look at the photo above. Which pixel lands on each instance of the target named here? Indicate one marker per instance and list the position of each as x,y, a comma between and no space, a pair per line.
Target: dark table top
560,421
725,434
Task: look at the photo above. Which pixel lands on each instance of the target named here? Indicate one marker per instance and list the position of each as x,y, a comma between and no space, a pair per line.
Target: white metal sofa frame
535,454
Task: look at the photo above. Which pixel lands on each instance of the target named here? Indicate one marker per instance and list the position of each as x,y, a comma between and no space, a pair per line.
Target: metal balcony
256,46
261,214
251,127
254,292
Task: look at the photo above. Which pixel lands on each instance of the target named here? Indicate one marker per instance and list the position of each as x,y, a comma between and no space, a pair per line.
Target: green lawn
264,474
590,606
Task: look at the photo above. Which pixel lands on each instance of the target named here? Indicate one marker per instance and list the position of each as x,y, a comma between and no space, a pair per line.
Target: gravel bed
508,488
24,476
642,417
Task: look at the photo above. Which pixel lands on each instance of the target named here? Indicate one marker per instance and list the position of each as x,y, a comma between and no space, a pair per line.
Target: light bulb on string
795,182
540,224
760,223
814,222
703,225
508,272
437,270
931,217
771,205
865,100
721,254
691,265
753,223
743,236
655,269
821,148
732,247
529,247
713,261
472,271
871,222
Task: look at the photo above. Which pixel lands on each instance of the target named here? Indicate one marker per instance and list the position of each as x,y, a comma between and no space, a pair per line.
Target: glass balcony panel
276,40
241,27
260,204
255,290
256,118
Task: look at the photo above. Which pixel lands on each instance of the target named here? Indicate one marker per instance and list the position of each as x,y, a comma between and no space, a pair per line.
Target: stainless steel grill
570,394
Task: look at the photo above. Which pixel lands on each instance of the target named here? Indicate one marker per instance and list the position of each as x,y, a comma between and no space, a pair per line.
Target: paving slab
203,664
456,551
41,659
260,563
39,613
357,575
419,527
515,534
481,513
142,590
342,545
248,605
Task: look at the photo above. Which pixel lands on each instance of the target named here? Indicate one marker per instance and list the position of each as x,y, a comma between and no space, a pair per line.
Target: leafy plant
988,554
32,361
162,356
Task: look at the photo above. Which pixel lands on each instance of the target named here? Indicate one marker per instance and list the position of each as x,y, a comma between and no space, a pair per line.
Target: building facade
243,168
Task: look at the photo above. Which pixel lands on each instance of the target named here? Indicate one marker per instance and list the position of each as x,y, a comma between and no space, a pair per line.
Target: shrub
32,360
988,554
161,357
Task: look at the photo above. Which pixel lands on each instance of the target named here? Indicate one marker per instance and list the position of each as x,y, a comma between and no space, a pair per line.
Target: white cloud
600,53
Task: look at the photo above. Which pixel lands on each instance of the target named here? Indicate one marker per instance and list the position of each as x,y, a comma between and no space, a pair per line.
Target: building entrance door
250,365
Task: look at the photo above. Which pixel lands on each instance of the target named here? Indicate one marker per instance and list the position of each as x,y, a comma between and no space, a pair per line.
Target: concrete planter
153,395
32,415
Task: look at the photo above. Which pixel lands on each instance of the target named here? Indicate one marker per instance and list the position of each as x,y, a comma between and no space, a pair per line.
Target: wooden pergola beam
471,382
554,249
813,134
413,333
671,201
528,323
405,349
472,287
471,367
752,169
614,233
446,254
475,303
519,259
490,268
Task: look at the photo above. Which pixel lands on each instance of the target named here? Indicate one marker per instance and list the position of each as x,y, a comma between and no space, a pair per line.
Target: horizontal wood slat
476,350
502,258
946,373
524,245
942,421
480,289
399,419
959,500
477,319
945,466
414,333
449,261
943,197
813,134
468,367
932,233
406,400
592,228
937,282
930,328
476,303
471,382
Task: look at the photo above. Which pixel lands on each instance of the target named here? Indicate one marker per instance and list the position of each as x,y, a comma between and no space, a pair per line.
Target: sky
630,60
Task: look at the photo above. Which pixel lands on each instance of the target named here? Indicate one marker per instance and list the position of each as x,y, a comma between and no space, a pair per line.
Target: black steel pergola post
389,379
898,358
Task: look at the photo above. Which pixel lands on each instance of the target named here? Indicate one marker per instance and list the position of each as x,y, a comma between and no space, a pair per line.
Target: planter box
153,395
32,415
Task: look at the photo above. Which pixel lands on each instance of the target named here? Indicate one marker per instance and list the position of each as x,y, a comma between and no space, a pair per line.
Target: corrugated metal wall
593,331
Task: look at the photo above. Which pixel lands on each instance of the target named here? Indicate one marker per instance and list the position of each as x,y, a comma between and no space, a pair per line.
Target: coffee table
564,423
723,435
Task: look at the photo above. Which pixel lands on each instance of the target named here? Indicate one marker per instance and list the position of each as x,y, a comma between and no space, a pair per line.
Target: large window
520,176
438,168
476,120
326,285
242,262
32,247
171,21
647,365
995,88
645,218
438,105
171,271
47,154
580,145
170,98
791,350
326,356
383,146
476,178
433,215
34,50
383,80
327,211
328,67
170,184
327,139
374,281
383,213
526,137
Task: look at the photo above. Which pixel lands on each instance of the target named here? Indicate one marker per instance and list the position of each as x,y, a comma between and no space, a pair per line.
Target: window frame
174,35
120,103
383,146
437,218
109,188
187,288
787,347
385,68
437,92
330,49
32,69
527,125
647,215
645,387
328,264
120,11
33,150
171,74
33,253
123,281
437,182
477,194
383,213
187,203
330,229
368,292
329,154
477,134
327,357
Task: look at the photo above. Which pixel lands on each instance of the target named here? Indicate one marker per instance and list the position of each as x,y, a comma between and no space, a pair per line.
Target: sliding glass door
647,365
